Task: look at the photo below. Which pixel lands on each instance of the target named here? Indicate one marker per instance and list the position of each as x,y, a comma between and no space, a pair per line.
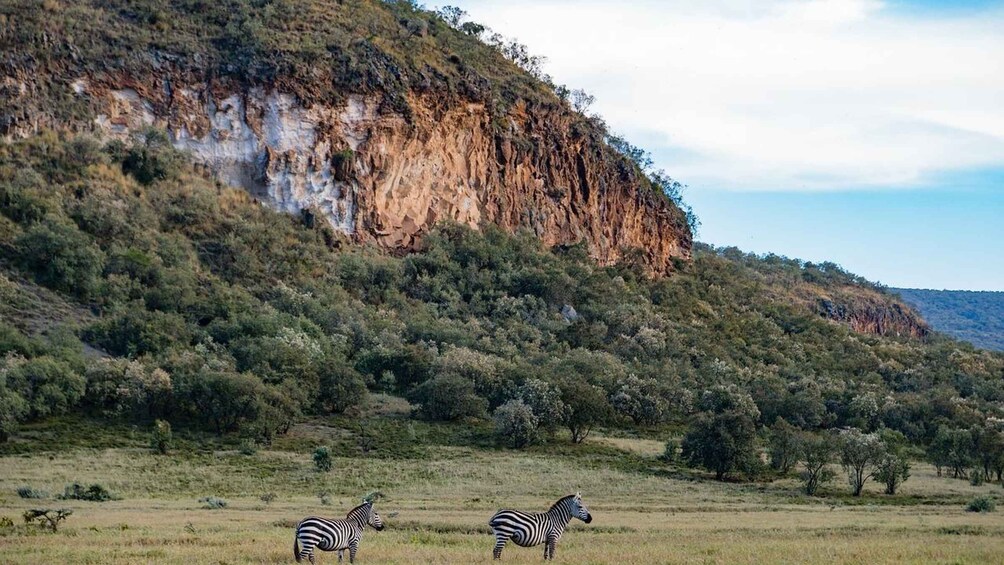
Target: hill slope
976,317
220,314
377,116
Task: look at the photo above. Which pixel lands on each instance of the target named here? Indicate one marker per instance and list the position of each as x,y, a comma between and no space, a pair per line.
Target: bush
448,397
860,454
50,386
817,451
981,504
213,503
93,493
151,158
893,470
587,408
160,438
976,478
13,407
544,400
671,452
28,492
61,257
515,424
248,447
47,517
322,460
268,497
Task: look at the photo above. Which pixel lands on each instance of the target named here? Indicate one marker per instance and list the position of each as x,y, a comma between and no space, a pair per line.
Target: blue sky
865,132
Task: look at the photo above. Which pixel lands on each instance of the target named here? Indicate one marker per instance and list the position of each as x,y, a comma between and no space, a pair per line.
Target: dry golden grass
440,508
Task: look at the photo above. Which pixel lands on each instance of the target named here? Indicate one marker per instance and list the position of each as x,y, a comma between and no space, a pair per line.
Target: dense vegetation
976,317
134,290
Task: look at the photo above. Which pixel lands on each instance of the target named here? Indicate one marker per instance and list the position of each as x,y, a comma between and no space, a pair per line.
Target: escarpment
382,177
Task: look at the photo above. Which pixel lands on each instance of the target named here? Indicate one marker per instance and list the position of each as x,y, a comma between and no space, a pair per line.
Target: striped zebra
335,535
529,530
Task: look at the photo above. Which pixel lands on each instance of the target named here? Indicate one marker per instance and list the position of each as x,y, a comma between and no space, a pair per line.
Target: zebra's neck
561,511
359,515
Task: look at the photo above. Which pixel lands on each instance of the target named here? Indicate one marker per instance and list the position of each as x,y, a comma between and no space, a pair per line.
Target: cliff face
870,312
380,176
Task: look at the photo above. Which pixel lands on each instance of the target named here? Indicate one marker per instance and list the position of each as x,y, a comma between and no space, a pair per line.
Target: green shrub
92,493
248,447
61,257
448,397
982,504
322,459
48,385
976,478
161,437
213,503
515,424
28,492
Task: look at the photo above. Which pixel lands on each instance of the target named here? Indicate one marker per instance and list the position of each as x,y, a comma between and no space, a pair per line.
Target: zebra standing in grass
529,530
335,535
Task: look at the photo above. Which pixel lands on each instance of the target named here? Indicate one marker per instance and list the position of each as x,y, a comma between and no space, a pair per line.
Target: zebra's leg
340,552
549,547
353,548
310,556
500,541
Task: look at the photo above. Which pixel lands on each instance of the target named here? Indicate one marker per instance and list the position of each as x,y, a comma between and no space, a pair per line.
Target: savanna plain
437,499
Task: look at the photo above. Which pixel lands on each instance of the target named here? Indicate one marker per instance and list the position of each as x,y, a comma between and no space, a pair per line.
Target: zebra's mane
358,511
562,501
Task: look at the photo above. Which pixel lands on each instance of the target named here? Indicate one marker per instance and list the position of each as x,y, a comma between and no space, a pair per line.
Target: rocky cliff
382,164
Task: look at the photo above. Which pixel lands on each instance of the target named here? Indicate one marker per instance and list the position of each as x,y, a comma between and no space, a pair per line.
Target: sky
865,132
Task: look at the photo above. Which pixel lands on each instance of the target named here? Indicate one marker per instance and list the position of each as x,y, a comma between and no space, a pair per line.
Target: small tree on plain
860,454
892,471
784,446
587,407
818,452
723,437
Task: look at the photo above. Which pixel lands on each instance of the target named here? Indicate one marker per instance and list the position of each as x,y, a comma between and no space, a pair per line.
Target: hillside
222,315
379,117
976,317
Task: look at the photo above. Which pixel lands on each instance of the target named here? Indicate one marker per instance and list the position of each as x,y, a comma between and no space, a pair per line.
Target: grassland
438,500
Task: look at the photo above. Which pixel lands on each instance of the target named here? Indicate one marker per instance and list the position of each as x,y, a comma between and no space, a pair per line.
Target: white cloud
779,94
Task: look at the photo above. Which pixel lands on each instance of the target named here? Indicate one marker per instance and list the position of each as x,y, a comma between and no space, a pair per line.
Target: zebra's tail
296,549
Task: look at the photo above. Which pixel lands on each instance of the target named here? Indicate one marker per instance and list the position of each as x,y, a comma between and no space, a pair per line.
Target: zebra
334,535
528,530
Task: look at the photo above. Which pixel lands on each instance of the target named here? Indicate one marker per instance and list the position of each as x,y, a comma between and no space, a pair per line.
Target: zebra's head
374,520
579,509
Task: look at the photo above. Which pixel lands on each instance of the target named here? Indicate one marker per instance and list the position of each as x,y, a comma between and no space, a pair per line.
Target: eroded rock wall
379,176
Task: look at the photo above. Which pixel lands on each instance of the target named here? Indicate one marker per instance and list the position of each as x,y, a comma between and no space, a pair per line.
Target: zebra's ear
578,495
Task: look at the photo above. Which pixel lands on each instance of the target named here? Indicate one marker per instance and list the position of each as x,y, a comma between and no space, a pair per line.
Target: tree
545,401
818,452
860,454
587,407
13,408
639,400
50,386
723,437
952,448
893,469
515,424
448,397
784,446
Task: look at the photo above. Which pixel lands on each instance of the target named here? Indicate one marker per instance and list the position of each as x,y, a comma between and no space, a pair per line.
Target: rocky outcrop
383,177
869,312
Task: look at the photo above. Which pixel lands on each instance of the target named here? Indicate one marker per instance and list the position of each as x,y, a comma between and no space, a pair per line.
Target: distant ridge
973,316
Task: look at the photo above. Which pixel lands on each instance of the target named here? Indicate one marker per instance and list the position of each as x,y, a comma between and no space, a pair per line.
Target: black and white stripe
334,535
529,530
